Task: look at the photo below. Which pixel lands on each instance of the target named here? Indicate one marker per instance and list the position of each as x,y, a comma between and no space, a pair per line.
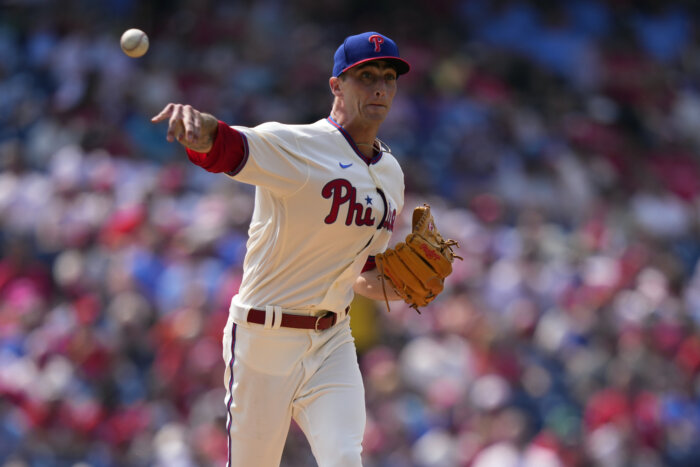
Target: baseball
134,42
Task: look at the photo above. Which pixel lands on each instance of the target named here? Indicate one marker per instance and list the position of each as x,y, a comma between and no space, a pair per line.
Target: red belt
318,323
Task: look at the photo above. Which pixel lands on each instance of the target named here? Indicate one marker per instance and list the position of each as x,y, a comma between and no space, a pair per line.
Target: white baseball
134,42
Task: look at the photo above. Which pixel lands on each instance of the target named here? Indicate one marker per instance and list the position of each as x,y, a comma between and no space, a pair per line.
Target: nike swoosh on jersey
344,166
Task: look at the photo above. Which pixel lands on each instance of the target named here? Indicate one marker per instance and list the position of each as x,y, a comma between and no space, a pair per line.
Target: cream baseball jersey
321,208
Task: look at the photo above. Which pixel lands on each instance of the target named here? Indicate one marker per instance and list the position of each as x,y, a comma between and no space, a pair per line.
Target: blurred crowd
556,141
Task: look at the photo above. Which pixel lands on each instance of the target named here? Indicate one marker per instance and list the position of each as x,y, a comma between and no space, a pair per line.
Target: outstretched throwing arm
188,126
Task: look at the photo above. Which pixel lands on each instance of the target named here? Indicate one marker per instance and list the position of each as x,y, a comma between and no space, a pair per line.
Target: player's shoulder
296,130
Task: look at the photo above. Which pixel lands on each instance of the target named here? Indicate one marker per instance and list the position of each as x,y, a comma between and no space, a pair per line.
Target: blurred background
557,141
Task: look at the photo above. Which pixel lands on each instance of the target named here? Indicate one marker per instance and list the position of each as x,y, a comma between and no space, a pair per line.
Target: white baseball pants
273,375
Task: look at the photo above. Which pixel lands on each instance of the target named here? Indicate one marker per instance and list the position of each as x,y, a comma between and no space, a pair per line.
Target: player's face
369,89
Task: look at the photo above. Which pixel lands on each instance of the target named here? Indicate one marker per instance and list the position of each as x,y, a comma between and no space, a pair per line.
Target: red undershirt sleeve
228,154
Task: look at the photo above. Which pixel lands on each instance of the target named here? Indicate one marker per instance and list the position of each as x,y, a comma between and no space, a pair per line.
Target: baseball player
327,196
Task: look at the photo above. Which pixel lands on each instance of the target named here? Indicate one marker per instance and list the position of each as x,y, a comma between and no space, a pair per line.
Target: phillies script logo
377,40
342,193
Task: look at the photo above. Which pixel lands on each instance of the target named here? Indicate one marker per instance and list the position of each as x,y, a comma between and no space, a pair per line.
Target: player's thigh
331,409
261,376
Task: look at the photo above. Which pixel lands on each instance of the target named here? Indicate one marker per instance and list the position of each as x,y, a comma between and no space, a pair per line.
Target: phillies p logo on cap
378,41
368,46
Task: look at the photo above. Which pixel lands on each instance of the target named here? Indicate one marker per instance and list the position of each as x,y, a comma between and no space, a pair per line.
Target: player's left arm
368,284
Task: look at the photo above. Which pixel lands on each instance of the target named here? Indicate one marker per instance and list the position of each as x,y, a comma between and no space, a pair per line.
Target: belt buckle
318,320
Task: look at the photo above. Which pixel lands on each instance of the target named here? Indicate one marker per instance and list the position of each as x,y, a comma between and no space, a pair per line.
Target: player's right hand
189,126
184,122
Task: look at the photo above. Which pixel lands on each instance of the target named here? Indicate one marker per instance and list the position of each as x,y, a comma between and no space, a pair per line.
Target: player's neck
362,133
365,141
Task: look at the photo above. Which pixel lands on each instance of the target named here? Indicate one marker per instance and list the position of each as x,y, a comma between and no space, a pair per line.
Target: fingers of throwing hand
184,122
191,122
165,113
176,128
197,126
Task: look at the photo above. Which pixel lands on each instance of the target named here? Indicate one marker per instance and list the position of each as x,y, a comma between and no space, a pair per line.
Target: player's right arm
275,161
193,129
210,143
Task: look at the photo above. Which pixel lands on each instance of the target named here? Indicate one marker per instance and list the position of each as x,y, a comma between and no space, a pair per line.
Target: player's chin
376,112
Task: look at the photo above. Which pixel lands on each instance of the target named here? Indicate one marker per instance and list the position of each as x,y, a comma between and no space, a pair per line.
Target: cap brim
399,64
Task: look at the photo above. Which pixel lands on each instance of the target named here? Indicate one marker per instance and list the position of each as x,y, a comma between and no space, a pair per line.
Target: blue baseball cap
365,47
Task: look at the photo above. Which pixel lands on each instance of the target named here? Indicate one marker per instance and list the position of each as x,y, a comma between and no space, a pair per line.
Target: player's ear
334,83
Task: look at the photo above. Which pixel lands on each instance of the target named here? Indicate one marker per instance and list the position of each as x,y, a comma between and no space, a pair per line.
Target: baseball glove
417,268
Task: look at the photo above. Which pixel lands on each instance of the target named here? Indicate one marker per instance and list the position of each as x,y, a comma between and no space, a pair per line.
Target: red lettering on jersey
335,189
354,207
341,191
368,219
390,219
377,40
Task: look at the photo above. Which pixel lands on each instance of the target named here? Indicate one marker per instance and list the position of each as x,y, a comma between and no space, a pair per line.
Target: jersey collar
351,142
